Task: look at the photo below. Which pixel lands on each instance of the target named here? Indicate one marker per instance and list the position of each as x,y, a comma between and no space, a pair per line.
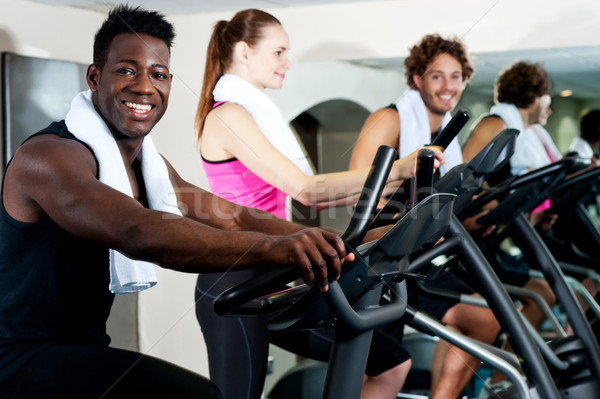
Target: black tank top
53,286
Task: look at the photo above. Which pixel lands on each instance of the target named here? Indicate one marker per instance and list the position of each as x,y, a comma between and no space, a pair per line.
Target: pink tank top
231,180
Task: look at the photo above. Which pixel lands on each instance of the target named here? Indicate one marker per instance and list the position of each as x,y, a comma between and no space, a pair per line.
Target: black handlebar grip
424,177
234,298
397,201
369,198
450,131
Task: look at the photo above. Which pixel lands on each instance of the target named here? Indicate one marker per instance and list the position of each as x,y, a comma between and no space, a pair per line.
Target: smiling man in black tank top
58,222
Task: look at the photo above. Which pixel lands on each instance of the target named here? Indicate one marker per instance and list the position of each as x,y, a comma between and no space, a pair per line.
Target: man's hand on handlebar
317,252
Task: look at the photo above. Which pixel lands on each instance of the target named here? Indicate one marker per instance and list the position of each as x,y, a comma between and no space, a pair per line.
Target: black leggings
78,371
238,347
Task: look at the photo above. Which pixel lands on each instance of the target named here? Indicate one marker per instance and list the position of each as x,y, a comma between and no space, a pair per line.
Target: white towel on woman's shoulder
265,113
415,131
126,274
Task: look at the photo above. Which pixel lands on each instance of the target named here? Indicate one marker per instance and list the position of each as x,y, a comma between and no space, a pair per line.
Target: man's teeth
139,107
446,96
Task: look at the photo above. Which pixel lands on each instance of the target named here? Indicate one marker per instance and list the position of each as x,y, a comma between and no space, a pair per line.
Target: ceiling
174,7
574,68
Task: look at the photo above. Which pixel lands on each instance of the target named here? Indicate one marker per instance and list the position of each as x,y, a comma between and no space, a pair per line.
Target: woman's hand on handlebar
405,168
317,252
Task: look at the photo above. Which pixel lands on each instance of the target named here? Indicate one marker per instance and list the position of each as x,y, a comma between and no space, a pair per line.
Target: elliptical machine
351,306
467,180
573,361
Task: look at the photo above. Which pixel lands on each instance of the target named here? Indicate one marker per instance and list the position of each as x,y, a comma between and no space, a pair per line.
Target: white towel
265,113
415,131
126,274
582,148
529,150
509,114
546,139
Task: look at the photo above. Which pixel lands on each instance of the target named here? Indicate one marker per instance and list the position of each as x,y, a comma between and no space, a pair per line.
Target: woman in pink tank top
231,180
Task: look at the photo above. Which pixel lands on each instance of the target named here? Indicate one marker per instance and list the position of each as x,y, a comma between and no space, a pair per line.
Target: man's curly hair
422,54
521,83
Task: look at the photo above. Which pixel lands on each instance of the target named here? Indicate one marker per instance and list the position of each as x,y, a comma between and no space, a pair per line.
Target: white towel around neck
415,131
546,139
126,275
510,115
265,113
529,150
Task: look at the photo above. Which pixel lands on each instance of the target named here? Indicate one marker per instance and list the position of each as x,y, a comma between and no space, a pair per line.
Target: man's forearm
187,245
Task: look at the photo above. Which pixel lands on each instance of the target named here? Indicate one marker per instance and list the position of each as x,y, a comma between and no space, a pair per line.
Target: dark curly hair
521,83
431,46
125,19
590,126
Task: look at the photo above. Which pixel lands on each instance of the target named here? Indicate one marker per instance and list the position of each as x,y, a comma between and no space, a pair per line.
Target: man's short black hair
125,19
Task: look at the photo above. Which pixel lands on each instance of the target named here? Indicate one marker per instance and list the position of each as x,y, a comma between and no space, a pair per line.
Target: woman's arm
232,128
207,208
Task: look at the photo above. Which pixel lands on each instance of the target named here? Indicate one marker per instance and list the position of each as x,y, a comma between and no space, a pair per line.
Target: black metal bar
504,310
529,237
424,178
367,202
349,353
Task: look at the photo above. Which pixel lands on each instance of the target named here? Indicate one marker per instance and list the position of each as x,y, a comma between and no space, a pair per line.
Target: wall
47,39
321,36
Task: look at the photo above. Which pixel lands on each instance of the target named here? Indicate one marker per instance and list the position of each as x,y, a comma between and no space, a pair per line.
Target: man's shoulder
54,142
388,114
490,122
55,131
43,166
58,128
386,121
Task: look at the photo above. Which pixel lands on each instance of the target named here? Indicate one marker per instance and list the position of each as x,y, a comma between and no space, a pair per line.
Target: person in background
522,100
522,96
437,70
587,145
251,157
